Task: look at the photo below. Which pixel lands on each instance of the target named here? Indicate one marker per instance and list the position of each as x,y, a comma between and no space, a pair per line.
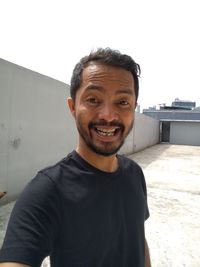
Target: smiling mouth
107,132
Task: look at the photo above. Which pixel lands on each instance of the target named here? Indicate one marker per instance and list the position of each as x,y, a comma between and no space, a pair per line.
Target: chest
101,222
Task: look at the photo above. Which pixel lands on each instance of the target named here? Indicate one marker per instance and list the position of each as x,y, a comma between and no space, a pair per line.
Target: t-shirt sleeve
147,214
33,224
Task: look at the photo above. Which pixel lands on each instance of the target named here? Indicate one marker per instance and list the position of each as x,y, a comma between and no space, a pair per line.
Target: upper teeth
106,131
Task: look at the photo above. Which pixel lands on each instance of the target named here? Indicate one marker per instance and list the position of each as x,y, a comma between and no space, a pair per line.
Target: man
89,209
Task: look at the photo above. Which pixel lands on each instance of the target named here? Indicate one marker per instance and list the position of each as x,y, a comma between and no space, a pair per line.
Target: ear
136,104
71,105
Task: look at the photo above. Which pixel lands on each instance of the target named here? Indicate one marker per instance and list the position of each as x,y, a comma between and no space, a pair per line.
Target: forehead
105,74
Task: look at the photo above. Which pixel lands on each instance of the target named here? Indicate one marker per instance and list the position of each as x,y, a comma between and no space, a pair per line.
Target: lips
107,132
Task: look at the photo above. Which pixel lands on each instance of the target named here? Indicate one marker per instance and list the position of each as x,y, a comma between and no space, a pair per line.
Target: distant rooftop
185,104
174,114
177,105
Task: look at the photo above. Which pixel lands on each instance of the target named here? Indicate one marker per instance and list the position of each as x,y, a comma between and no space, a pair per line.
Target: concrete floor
173,181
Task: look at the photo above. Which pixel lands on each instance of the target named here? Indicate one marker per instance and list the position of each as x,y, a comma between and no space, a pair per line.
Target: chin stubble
107,150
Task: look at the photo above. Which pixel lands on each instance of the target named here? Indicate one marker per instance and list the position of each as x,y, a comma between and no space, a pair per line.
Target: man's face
104,108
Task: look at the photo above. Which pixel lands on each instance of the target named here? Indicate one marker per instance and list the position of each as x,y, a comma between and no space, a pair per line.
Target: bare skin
147,255
105,95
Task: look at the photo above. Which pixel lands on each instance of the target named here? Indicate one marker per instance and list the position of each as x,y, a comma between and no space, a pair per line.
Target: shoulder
129,164
55,172
132,171
43,188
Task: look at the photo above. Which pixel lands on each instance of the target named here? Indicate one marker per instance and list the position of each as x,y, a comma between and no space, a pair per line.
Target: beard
100,147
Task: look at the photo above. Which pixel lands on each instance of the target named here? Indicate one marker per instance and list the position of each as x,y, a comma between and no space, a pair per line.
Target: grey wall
185,133
145,133
36,128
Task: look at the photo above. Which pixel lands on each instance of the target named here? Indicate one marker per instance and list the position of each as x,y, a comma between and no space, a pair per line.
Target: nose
108,113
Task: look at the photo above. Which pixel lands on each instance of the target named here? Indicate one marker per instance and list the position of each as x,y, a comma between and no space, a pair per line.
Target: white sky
163,36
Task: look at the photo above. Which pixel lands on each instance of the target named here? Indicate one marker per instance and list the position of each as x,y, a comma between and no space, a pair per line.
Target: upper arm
144,188
147,255
33,223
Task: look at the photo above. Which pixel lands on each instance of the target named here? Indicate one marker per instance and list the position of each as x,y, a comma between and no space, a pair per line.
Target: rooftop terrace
173,182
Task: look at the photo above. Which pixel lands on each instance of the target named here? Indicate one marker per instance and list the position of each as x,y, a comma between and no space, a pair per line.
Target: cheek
128,117
85,112
83,117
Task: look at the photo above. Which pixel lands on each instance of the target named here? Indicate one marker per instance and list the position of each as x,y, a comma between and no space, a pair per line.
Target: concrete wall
145,133
37,130
185,133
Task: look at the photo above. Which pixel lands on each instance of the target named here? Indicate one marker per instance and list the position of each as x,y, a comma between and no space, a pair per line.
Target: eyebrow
125,91
102,89
95,87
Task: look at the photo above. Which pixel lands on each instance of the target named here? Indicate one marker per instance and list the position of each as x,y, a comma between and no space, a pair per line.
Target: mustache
93,124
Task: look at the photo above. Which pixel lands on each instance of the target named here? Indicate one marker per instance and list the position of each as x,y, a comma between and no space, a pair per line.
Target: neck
103,163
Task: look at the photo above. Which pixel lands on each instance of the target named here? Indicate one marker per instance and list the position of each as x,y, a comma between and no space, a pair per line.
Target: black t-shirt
80,216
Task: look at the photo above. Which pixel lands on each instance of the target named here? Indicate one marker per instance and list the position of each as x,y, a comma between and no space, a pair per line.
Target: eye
123,102
93,100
